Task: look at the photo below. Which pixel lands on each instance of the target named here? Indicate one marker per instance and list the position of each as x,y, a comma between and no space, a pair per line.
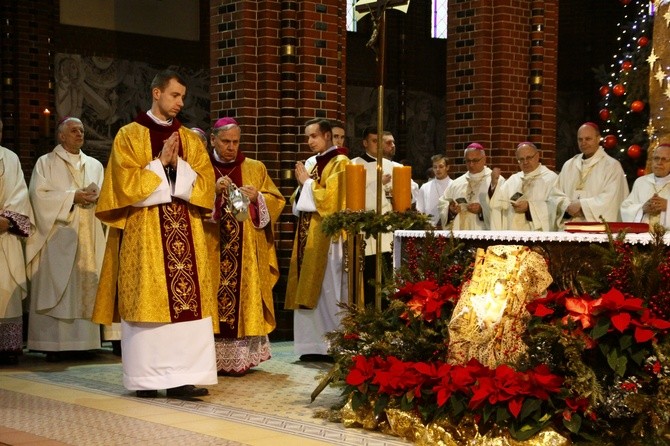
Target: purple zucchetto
224,122
475,145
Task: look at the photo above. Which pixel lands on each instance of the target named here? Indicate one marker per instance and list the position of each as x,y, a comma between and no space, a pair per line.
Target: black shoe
54,357
146,393
313,357
116,348
187,391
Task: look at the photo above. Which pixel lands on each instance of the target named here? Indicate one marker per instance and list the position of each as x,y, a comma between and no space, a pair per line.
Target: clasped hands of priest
655,205
85,198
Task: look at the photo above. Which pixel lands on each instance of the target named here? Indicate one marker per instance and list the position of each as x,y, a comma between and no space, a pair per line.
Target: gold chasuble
245,254
176,281
310,247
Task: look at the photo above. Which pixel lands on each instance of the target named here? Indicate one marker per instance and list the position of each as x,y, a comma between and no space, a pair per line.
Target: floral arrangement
370,223
597,371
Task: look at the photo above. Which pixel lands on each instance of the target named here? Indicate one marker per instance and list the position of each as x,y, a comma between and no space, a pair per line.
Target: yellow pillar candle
402,188
355,178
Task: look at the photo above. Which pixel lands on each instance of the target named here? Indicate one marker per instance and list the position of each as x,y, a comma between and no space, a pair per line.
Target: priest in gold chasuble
317,282
158,189
246,209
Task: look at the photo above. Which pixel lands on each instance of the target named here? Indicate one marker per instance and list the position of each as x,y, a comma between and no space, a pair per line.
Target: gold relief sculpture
491,314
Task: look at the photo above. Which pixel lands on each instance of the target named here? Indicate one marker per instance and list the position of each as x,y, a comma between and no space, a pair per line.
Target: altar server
317,281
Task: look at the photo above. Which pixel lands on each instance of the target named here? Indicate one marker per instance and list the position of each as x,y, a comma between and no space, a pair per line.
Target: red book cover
596,226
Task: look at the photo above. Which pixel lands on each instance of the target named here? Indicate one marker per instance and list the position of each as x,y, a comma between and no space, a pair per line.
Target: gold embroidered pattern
303,232
180,260
229,269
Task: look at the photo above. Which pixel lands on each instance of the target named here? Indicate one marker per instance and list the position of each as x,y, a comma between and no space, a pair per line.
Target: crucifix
377,10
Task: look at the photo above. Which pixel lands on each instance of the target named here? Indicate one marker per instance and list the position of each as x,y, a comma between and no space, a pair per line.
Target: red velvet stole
306,217
231,234
180,265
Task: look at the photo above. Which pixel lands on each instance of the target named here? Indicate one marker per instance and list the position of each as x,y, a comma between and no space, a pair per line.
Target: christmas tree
624,111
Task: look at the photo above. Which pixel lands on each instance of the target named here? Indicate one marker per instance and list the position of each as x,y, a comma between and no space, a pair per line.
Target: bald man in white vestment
591,185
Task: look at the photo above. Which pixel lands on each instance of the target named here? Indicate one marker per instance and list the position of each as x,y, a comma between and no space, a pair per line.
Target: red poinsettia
426,299
581,310
396,377
647,326
456,378
545,306
362,371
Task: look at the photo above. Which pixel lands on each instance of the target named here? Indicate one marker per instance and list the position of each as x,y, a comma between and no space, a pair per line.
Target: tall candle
47,121
355,178
402,188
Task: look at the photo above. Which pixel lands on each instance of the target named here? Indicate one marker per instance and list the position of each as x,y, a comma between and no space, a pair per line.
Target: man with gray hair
523,203
65,253
467,200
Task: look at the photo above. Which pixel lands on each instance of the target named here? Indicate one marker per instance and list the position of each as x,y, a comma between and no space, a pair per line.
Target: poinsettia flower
581,309
397,377
621,321
427,373
466,376
515,405
362,371
540,310
647,326
426,300
445,387
502,386
654,322
543,382
580,405
544,306
643,335
616,300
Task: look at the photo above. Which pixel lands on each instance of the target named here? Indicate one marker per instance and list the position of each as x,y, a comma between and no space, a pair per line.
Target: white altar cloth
521,237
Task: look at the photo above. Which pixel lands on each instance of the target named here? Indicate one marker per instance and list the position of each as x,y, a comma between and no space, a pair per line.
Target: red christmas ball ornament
642,41
634,151
624,2
619,90
604,114
604,90
626,65
637,106
641,172
609,142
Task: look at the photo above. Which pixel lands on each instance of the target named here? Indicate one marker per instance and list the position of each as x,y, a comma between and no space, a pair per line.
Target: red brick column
501,78
26,77
275,64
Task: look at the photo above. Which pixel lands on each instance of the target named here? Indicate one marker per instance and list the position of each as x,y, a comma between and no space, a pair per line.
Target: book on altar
596,226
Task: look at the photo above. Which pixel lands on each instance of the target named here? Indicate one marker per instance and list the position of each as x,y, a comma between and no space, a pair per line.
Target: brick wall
26,90
501,78
273,66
